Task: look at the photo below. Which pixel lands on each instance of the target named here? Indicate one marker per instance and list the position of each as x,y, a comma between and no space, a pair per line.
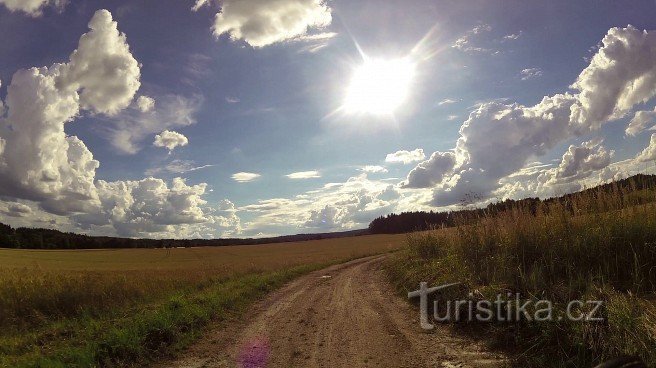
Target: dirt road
342,316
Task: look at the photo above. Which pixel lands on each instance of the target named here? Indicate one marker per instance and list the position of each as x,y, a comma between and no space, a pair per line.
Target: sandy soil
343,316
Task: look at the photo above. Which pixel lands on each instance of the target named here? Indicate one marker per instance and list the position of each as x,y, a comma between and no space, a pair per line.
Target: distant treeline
29,238
417,221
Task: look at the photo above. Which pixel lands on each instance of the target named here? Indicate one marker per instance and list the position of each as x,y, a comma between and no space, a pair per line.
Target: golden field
229,259
87,308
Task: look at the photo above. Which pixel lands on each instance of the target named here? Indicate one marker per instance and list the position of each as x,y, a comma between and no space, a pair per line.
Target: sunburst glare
379,86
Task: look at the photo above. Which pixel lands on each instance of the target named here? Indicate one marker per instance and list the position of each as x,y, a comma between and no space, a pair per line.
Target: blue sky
264,98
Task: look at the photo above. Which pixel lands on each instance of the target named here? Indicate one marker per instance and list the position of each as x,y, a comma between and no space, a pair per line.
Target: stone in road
343,316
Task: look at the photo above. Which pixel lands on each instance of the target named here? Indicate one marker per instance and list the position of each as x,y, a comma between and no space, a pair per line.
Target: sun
379,86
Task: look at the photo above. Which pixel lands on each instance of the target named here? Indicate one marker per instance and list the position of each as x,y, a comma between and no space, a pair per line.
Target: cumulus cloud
304,175
499,139
127,131
39,161
621,74
264,22
373,169
170,140
578,163
333,207
147,207
145,103
642,120
581,160
649,153
245,177
226,219
33,8
102,68
329,217
15,209
405,157
431,171
530,73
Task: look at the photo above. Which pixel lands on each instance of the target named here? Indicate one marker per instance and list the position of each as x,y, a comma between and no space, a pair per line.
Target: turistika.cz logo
505,308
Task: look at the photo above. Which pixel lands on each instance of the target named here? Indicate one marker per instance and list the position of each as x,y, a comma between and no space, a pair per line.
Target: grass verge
600,247
134,337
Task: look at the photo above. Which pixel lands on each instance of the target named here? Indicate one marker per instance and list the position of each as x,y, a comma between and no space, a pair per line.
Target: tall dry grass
592,247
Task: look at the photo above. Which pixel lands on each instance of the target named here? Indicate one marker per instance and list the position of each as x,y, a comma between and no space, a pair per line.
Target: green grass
130,306
600,247
133,337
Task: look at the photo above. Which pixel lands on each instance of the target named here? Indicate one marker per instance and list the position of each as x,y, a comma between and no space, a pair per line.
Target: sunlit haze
379,86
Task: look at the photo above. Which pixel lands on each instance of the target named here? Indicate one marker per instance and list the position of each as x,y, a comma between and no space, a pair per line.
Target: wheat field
91,300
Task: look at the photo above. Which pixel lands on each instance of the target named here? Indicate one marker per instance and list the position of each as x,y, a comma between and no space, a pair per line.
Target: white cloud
498,139
314,42
102,68
432,171
226,219
264,22
641,122
148,207
200,3
42,166
580,161
127,131
464,42
577,166
405,157
304,175
39,161
447,101
585,165
176,167
373,169
621,74
15,209
649,153
145,103
315,37
170,140
232,100
513,36
530,73
245,177
333,207
33,8
452,117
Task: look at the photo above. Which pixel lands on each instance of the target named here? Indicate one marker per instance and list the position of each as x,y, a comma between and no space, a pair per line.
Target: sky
251,118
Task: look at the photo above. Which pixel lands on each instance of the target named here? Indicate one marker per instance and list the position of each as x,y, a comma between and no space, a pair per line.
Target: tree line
420,220
35,238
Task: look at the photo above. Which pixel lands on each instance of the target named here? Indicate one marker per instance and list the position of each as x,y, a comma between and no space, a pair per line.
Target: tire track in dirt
346,315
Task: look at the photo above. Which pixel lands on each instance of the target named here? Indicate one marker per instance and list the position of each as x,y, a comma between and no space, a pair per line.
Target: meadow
85,308
597,246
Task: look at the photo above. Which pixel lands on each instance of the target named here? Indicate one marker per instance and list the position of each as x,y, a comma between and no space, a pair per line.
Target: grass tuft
595,247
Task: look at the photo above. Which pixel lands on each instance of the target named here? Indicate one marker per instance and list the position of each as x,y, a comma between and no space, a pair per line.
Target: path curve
346,315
